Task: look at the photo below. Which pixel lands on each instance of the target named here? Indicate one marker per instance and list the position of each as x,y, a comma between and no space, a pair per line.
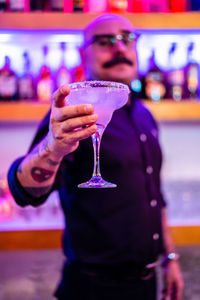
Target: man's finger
168,291
72,111
59,96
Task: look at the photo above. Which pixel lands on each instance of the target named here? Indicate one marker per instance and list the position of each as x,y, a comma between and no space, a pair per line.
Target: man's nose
119,46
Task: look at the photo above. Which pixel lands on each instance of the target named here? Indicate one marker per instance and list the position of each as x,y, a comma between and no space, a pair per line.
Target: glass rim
99,83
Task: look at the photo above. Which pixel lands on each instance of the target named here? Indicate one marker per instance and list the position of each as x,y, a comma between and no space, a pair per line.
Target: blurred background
39,51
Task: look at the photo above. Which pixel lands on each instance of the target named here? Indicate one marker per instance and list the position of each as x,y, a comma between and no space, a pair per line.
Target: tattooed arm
37,171
68,125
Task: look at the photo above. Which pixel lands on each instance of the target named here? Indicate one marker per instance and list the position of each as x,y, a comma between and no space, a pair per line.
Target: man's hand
69,124
173,282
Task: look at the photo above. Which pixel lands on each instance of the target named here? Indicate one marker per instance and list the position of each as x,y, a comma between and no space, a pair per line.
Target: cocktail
106,97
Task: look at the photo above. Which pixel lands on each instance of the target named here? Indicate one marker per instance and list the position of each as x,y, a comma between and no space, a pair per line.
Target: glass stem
96,140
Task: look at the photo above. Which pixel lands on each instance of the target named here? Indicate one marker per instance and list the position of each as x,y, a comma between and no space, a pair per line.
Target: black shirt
110,226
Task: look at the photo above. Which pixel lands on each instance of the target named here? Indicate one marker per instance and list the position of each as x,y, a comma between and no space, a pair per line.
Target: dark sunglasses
109,40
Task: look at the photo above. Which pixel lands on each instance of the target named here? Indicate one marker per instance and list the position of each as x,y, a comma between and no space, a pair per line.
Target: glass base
97,182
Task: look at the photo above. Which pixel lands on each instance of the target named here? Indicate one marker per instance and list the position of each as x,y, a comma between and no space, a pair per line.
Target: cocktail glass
106,97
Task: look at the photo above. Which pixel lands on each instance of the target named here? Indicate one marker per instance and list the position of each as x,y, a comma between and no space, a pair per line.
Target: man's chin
120,78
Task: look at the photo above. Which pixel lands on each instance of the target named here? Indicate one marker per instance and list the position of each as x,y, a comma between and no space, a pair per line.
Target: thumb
59,96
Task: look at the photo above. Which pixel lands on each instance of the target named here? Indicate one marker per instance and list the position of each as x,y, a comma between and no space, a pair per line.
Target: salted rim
99,83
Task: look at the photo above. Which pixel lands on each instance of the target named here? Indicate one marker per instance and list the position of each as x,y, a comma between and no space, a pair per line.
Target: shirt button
153,202
149,170
156,236
143,137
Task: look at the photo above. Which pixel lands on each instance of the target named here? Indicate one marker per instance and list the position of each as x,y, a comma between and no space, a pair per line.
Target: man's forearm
37,171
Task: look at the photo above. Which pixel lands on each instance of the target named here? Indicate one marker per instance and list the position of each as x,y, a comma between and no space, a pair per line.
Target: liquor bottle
78,74
25,83
192,75
178,5
39,5
78,5
175,78
57,5
194,5
16,5
8,82
63,75
137,6
92,6
3,5
158,6
45,83
118,6
154,81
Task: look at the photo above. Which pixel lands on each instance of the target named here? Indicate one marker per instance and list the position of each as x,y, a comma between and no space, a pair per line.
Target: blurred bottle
93,6
158,6
78,5
25,83
178,5
63,75
45,83
57,5
6,201
195,4
8,82
16,5
154,81
136,87
175,79
118,6
3,5
138,6
192,75
40,5
78,74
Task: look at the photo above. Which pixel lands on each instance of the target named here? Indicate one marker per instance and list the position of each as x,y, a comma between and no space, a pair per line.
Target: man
113,237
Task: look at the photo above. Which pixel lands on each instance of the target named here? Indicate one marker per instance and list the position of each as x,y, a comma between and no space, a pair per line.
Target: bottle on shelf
3,5
154,81
40,5
45,82
118,6
78,5
57,5
25,83
92,6
16,5
178,6
63,75
8,82
192,75
158,6
194,5
137,6
175,78
78,74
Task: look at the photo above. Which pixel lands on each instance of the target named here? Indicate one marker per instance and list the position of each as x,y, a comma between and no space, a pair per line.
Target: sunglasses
109,40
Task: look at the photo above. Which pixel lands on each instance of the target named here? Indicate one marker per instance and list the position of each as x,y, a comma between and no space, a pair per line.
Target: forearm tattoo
45,146
38,192
41,174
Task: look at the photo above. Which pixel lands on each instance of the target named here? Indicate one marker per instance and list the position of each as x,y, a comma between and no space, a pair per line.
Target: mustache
117,60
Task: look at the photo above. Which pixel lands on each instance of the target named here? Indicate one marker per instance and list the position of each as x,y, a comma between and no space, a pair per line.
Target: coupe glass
106,97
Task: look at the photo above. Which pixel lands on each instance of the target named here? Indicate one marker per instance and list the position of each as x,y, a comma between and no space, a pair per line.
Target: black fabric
82,284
